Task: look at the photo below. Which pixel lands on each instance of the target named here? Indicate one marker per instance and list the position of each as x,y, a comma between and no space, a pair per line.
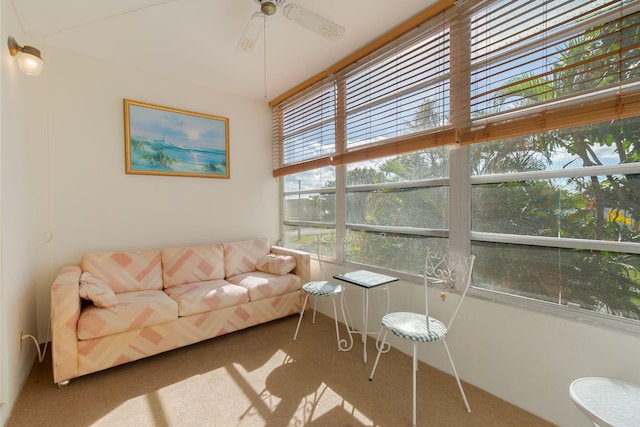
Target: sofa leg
63,384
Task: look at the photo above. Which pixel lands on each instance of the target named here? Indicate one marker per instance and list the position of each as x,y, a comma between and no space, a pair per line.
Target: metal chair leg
375,364
315,306
306,298
455,373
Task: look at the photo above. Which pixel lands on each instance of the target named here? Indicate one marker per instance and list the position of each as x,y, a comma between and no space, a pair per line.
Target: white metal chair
417,327
323,288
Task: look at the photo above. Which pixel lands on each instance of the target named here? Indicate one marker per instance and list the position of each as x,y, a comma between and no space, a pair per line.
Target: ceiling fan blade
313,21
251,32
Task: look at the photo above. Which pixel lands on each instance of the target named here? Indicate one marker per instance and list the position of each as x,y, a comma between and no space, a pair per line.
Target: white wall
94,205
18,124
70,184
525,357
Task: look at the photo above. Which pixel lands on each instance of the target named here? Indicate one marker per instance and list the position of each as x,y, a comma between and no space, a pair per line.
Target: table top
606,401
365,279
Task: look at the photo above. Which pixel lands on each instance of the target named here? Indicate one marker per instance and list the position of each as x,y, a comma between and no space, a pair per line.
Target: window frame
460,183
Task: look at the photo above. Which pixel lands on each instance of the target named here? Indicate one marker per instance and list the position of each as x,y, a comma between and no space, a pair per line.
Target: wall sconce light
29,59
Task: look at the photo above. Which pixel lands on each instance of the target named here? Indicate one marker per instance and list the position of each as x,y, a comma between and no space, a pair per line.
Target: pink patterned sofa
138,304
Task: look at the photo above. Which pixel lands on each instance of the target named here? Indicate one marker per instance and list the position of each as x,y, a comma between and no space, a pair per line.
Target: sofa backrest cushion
126,271
192,264
241,257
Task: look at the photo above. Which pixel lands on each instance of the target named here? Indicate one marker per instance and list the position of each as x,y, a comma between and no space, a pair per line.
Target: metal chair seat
414,327
322,288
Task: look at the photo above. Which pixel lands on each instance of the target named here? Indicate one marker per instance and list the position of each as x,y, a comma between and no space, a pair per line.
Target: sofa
117,307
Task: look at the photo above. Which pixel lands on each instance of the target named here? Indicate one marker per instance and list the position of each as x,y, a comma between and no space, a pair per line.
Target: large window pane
310,207
597,208
600,144
404,207
311,180
309,238
309,214
392,251
605,282
402,202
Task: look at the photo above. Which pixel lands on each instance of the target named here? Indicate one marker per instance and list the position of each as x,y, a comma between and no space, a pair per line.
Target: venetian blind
304,129
393,100
543,65
477,71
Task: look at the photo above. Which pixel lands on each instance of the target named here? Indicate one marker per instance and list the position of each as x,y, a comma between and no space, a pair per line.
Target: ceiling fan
302,16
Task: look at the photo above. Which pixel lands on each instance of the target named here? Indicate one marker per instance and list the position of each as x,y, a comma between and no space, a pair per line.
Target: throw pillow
276,264
95,289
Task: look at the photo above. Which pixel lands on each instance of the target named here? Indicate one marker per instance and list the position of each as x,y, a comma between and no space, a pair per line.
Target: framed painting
167,141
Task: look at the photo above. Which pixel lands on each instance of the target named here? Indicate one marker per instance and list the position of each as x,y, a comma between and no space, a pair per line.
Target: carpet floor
261,377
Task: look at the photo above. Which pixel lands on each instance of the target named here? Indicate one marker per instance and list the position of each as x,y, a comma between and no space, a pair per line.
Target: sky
182,128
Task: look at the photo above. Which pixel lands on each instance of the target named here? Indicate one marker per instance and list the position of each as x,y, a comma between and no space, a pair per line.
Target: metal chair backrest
450,271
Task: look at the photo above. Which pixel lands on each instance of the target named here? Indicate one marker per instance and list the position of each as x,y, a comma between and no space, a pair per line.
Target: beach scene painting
167,141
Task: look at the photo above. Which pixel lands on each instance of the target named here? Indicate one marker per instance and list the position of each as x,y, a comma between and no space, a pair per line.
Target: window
543,99
567,228
309,211
395,208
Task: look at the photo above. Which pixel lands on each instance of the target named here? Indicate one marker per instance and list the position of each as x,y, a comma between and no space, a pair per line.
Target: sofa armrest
65,312
303,261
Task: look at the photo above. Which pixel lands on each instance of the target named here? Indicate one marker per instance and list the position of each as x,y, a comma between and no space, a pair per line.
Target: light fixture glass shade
30,64
28,57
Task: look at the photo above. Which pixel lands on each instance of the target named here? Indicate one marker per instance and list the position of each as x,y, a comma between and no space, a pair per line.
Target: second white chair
421,327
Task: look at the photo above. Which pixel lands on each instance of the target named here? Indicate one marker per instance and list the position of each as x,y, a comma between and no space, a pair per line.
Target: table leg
384,346
344,346
365,325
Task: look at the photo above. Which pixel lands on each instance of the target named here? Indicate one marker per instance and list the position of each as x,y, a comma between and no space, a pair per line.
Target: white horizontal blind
520,67
400,90
549,64
304,127
392,101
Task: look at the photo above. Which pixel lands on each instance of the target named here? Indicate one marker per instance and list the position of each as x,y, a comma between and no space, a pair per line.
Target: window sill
573,313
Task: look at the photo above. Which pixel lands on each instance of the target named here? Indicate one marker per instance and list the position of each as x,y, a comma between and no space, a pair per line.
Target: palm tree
605,281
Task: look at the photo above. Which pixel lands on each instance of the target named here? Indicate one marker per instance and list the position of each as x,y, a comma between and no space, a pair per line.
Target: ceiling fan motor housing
268,7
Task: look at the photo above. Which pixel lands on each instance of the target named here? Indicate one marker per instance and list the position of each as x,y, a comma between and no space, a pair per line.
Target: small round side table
607,402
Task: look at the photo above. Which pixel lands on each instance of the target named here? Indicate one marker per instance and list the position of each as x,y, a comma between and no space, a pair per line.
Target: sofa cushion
126,271
241,257
192,264
94,289
193,298
263,285
276,264
135,310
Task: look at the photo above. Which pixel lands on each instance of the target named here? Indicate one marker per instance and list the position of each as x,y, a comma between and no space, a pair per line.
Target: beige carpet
261,377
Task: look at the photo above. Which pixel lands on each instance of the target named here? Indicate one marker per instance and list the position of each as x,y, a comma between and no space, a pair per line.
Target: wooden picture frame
168,141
